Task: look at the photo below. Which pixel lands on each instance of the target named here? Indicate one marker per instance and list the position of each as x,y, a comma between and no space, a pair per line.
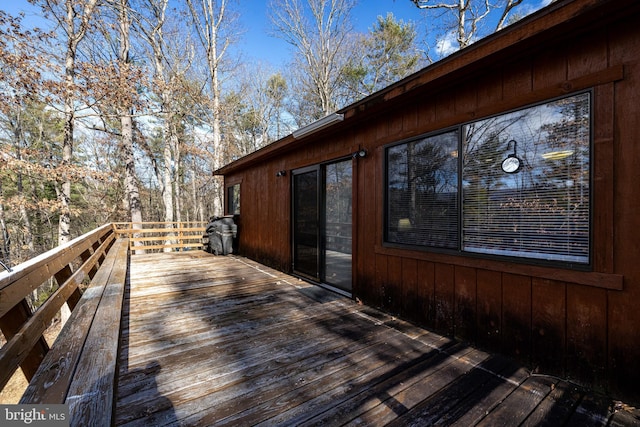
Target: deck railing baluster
71,265
162,236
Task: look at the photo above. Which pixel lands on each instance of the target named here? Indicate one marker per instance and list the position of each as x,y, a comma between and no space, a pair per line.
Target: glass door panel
337,233
306,223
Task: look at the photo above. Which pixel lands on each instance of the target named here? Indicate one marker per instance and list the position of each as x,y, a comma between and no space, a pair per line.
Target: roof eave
551,21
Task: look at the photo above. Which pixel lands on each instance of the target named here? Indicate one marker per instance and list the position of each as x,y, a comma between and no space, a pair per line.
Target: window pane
422,185
306,227
233,199
542,209
338,224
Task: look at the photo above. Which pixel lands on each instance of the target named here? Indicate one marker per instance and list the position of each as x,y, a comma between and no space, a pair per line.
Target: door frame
320,169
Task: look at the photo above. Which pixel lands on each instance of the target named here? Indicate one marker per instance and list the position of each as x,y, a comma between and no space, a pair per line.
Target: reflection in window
338,187
542,211
233,199
422,185
539,209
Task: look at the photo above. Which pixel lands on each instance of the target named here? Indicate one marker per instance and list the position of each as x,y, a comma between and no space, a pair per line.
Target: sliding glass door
322,223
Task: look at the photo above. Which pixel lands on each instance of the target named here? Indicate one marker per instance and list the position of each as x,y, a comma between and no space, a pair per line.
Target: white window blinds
521,187
542,210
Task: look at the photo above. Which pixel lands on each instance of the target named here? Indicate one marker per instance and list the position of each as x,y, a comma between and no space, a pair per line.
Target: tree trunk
218,209
126,123
132,189
197,198
167,177
74,36
155,37
131,182
175,144
64,195
209,33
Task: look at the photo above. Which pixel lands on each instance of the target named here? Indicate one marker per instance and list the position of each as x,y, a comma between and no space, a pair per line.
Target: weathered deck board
212,340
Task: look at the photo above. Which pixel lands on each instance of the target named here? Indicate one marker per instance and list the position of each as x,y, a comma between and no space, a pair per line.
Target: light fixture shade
317,125
361,153
511,164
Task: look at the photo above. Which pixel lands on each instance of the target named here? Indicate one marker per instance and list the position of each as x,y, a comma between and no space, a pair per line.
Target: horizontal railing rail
71,265
147,237
68,269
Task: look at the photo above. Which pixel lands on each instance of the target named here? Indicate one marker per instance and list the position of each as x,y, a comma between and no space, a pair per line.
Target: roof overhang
318,125
556,21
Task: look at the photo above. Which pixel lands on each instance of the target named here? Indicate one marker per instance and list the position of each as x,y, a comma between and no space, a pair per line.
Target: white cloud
447,45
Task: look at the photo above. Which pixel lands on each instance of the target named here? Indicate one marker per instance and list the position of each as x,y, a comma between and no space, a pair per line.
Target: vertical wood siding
554,324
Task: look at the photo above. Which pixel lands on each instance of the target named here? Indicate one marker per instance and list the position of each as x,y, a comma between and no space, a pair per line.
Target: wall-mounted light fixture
317,125
512,164
359,154
281,173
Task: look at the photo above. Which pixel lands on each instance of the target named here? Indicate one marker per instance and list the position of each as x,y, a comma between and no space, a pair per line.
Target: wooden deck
212,340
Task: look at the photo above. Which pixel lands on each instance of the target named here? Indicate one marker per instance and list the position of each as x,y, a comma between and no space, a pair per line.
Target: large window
520,187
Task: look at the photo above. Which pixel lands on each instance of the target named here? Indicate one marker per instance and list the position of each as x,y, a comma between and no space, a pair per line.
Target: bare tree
153,27
75,20
20,78
318,30
506,10
253,110
211,19
26,123
126,117
469,14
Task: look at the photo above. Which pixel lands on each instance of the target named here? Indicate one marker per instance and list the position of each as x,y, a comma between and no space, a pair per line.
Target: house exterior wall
584,325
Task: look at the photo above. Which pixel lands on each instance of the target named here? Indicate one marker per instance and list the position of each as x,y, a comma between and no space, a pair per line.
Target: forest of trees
121,109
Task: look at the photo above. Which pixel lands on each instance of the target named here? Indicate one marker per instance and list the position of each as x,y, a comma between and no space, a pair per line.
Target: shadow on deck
212,340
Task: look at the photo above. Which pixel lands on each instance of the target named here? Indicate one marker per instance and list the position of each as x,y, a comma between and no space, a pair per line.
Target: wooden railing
71,266
88,261
162,236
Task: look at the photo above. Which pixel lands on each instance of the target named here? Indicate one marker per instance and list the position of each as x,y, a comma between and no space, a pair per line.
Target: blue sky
258,45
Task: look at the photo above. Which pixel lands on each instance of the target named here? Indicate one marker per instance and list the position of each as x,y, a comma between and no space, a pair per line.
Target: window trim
588,266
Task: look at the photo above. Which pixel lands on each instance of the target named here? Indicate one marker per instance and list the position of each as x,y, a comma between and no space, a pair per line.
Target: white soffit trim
317,125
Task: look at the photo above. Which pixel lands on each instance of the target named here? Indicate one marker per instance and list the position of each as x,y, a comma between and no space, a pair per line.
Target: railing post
10,324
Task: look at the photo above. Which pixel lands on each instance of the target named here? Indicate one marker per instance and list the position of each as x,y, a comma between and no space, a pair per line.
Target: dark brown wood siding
583,325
